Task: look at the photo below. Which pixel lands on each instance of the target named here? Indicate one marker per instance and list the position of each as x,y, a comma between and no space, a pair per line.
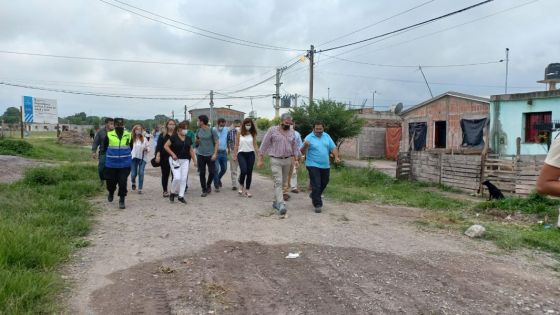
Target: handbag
154,163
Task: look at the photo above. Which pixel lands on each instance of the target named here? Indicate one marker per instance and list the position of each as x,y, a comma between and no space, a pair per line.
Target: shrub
15,147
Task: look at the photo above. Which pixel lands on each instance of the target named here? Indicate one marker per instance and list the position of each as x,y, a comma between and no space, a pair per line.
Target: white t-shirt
553,156
138,149
246,143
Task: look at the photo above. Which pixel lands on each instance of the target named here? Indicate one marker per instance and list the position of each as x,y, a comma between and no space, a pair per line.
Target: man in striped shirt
280,144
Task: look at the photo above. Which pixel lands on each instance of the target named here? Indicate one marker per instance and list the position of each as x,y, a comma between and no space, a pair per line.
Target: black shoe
182,200
217,189
133,186
204,194
209,191
233,188
121,203
318,209
172,197
110,197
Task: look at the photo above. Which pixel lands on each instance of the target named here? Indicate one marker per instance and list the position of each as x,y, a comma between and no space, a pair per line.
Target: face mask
185,132
138,132
119,129
247,127
286,127
238,128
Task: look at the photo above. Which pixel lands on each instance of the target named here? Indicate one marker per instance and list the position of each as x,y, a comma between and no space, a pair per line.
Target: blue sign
28,108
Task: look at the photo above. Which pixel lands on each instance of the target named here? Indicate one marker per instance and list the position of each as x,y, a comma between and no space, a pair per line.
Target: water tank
396,108
552,71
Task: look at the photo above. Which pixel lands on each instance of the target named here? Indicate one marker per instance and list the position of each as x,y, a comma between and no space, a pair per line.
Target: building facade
228,114
532,117
450,121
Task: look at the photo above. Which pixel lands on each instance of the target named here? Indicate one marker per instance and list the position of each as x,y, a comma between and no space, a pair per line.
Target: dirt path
225,254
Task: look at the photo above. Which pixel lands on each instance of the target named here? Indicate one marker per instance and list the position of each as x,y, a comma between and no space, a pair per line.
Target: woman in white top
140,148
245,152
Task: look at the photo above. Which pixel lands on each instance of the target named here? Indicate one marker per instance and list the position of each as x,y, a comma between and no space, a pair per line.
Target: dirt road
225,254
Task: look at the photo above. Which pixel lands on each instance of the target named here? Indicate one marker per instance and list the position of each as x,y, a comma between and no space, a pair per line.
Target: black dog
495,192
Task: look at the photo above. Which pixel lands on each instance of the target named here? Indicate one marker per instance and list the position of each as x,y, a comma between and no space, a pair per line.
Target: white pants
180,176
233,166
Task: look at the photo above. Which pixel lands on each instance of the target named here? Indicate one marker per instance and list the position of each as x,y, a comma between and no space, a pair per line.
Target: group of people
122,153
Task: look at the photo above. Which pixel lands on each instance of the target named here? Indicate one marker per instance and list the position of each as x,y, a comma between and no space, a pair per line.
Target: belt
284,157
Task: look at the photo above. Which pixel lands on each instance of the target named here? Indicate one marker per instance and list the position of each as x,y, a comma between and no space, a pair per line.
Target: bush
15,147
42,176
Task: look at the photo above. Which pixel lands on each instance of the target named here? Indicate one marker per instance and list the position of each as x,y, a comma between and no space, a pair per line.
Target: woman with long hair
162,156
180,150
246,152
140,149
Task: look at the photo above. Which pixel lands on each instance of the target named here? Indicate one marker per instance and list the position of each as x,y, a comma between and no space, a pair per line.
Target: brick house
219,112
450,121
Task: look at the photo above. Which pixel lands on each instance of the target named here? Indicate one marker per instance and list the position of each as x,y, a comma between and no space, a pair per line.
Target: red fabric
531,132
392,142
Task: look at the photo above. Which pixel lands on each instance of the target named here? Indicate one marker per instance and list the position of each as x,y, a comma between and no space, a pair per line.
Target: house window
440,135
536,129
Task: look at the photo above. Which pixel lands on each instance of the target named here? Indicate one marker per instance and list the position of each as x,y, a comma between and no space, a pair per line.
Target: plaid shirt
231,136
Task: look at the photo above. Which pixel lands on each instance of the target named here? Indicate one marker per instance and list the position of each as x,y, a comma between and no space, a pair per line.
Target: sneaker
172,197
133,186
182,200
139,191
209,191
286,197
234,188
282,211
274,205
110,197
318,209
121,203
217,189
165,194
295,191
204,194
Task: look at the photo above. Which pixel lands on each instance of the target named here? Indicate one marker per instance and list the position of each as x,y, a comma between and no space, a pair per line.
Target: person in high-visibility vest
118,148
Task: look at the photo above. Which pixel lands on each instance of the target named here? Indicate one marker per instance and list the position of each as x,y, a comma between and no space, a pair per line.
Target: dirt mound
74,137
250,278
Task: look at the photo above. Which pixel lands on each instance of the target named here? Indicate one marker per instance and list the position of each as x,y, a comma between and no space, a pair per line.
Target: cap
118,120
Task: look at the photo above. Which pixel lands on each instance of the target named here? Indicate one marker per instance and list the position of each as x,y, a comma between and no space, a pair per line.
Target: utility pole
419,67
212,107
295,100
507,67
172,114
329,93
277,95
21,120
185,112
310,55
373,100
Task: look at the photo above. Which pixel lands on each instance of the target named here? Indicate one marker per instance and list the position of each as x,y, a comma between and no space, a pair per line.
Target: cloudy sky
183,49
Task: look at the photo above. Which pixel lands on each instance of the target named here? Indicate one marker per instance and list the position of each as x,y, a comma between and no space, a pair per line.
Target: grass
43,218
44,146
359,185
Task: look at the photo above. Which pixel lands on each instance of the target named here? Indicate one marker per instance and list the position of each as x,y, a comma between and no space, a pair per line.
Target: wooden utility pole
311,61
21,116
295,100
185,112
212,107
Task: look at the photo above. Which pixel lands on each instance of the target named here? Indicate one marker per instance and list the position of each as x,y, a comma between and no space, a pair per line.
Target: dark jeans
101,166
319,178
221,167
203,163
117,176
165,171
246,162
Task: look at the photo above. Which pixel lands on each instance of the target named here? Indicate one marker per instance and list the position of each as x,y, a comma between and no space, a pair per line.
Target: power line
376,23
201,29
128,96
408,27
416,66
427,35
201,34
134,61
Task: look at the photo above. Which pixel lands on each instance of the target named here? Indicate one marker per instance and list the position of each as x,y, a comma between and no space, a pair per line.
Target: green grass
43,218
44,146
533,204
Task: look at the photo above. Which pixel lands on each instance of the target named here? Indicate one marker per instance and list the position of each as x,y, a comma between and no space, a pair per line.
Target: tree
263,123
339,122
11,115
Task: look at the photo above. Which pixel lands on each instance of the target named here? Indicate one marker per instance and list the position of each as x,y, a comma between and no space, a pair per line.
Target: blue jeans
221,167
137,168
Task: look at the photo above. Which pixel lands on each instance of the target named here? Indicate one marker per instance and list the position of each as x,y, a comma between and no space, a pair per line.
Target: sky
184,48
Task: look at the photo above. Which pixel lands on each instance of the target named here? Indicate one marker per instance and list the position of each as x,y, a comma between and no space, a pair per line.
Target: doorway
440,135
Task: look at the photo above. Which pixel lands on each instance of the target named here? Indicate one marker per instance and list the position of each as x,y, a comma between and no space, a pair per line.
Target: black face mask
285,127
119,130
